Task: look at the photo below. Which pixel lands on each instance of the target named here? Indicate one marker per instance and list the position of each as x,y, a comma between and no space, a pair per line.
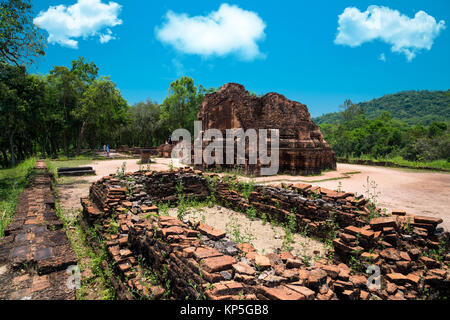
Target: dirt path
71,189
416,192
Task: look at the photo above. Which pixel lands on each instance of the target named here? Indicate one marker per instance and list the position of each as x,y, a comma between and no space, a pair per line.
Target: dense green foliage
412,107
151,124
354,135
61,111
70,109
144,128
20,40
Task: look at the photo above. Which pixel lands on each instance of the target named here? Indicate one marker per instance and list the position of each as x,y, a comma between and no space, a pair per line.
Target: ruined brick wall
200,262
136,150
35,252
303,149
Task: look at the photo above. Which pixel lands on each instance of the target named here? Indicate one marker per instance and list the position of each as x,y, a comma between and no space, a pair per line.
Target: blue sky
290,47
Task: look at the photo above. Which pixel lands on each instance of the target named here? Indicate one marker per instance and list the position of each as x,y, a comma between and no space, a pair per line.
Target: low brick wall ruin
198,261
35,252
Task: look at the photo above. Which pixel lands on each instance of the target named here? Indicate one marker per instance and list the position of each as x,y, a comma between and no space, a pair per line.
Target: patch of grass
234,229
12,184
85,156
98,286
251,213
437,164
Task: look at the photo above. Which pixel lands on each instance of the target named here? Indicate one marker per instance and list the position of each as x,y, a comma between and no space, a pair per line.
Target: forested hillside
411,107
354,135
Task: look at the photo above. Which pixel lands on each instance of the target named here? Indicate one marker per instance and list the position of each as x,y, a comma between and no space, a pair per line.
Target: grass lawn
12,183
437,164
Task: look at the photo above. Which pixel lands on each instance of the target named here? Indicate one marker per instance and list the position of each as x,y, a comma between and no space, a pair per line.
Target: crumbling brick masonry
35,252
198,261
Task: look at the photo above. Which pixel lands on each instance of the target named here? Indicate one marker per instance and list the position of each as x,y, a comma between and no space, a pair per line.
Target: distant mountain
412,107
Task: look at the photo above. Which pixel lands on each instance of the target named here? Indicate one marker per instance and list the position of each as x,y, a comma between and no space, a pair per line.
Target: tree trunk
80,137
53,148
20,154
11,146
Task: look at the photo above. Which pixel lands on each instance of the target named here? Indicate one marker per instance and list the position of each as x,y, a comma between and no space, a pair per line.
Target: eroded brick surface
302,148
35,252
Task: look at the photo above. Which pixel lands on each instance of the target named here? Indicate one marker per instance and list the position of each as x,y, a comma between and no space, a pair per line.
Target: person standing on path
107,150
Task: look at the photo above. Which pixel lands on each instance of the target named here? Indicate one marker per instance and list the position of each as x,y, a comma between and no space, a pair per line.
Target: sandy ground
264,237
417,192
71,189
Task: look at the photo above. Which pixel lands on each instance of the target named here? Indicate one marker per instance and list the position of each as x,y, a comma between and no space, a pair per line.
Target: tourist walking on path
107,150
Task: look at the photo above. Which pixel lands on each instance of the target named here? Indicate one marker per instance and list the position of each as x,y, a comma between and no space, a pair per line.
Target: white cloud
228,30
83,19
106,37
405,35
382,57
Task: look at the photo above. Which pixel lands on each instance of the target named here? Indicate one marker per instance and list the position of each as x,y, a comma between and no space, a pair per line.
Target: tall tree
180,108
21,42
66,89
102,112
12,107
144,130
21,98
87,72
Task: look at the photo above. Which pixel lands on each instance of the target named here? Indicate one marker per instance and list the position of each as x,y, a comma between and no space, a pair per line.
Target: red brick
205,252
127,204
413,279
427,220
19,279
285,256
370,256
308,293
217,264
172,231
261,261
124,267
243,268
211,232
430,263
364,295
149,209
293,263
245,248
382,222
281,293
332,271
40,283
390,254
396,278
